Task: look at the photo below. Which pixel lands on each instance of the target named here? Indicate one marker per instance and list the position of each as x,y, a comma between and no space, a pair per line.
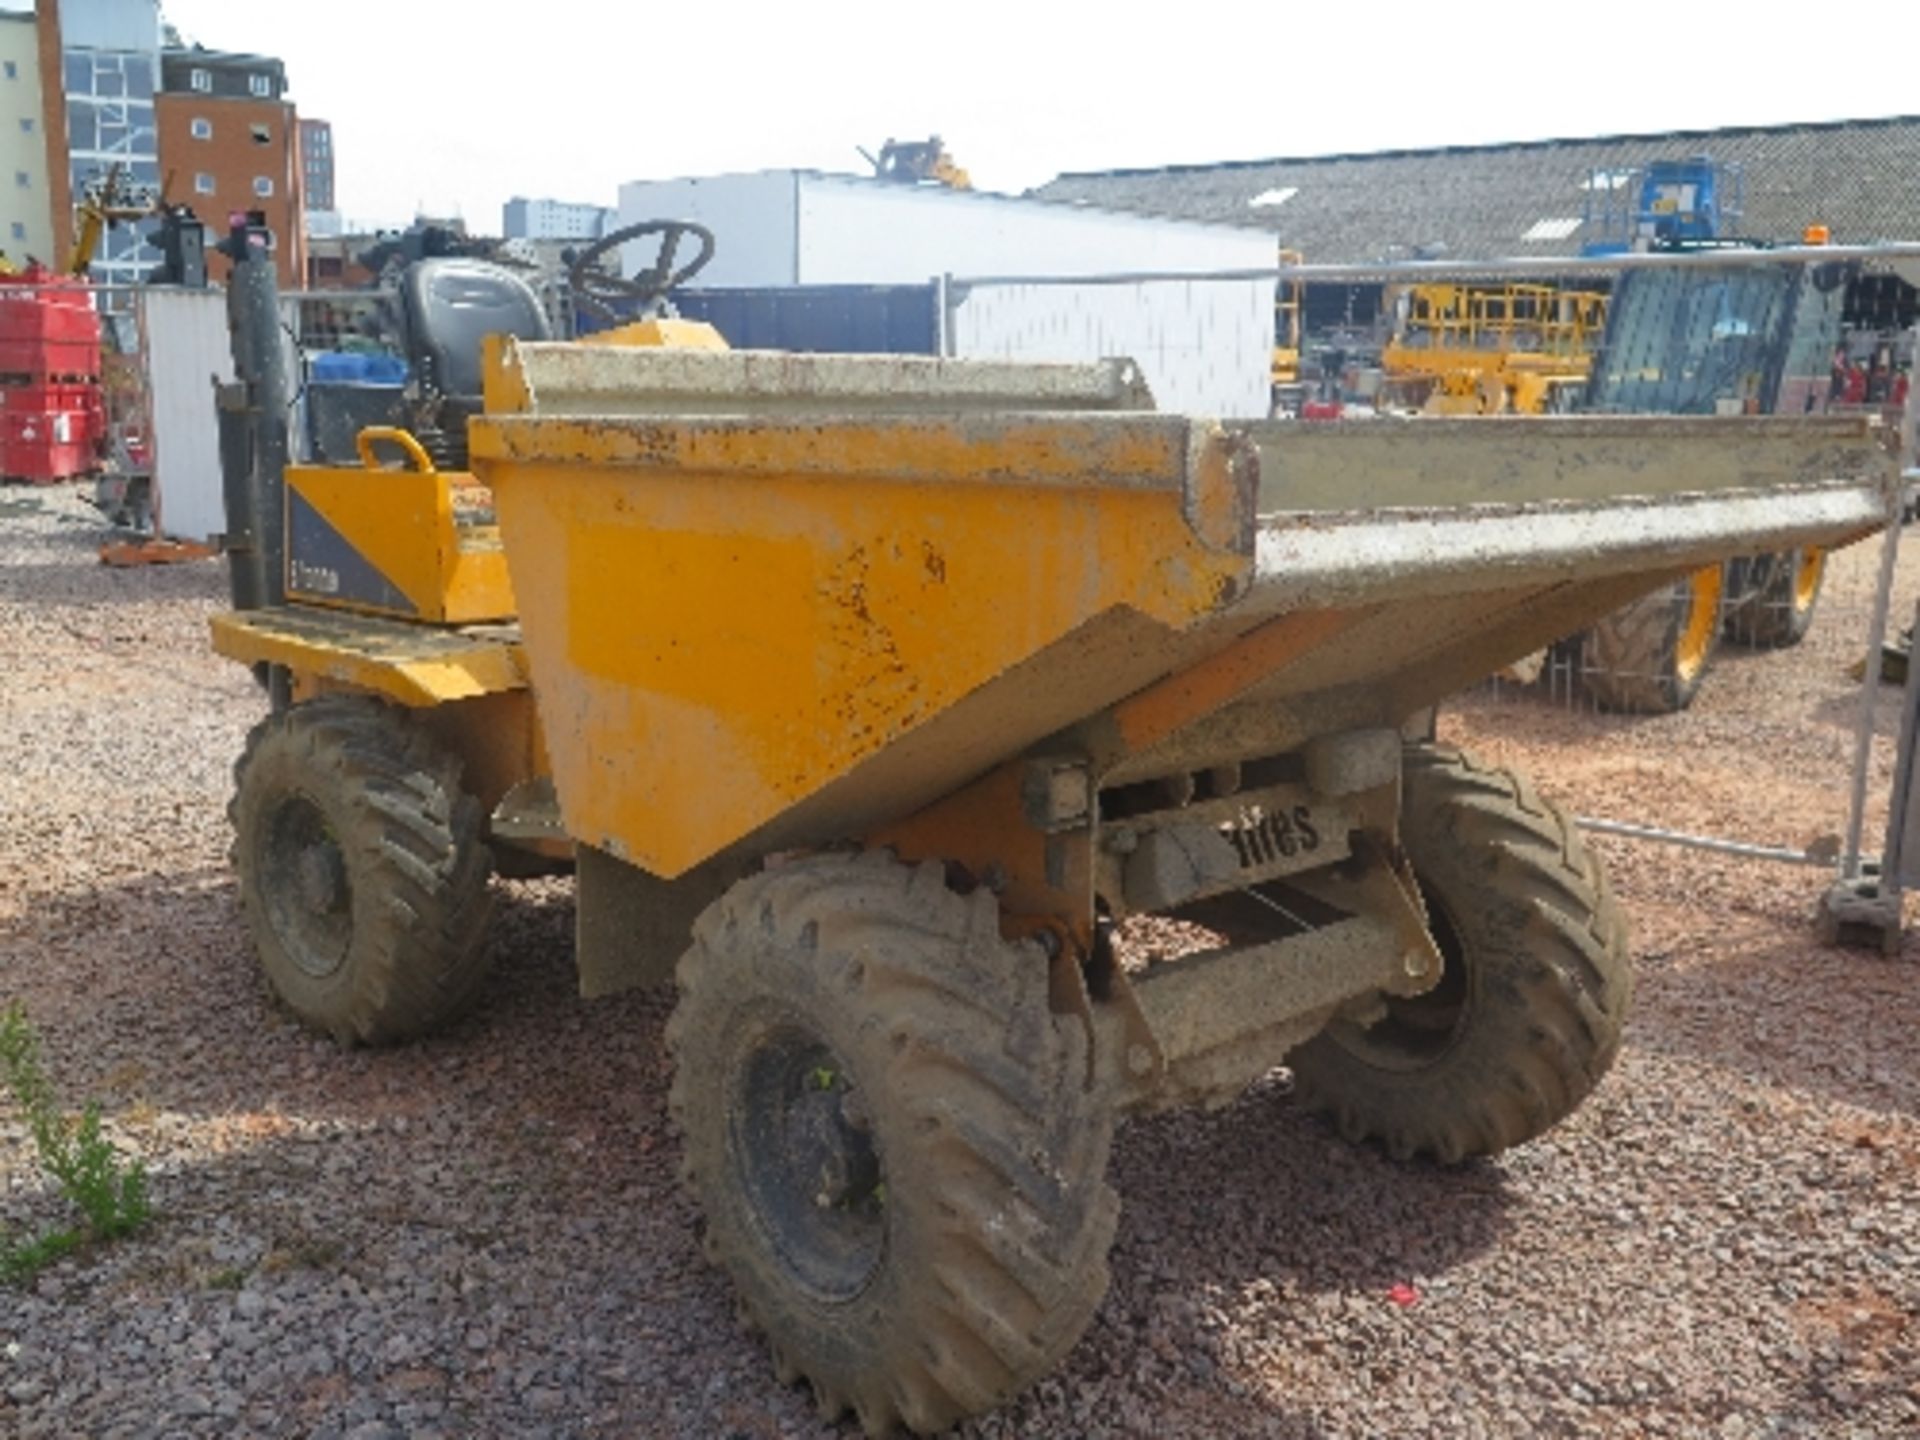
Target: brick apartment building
316,164
119,93
229,142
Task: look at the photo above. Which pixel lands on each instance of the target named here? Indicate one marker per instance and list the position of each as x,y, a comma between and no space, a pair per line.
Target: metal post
943,300
1910,418
1870,688
254,434
1867,907
1894,854
1877,630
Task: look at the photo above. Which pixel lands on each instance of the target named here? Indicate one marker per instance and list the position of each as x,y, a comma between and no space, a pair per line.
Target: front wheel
891,1136
1528,1013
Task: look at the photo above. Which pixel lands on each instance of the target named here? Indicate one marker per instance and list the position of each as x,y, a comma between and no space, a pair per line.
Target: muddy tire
1781,611
891,1136
362,871
1648,658
1528,1015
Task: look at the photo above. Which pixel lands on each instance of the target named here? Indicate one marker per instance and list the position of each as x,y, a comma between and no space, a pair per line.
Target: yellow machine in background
1288,310
917,162
1465,349
104,205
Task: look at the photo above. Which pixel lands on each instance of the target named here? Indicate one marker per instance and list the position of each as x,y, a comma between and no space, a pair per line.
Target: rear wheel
1528,1013
892,1138
362,871
1648,658
1780,614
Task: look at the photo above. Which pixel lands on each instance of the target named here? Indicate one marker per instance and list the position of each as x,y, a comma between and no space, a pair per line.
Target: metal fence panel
1205,348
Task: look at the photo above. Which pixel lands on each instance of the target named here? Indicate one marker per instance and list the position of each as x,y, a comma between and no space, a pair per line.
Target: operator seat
449,305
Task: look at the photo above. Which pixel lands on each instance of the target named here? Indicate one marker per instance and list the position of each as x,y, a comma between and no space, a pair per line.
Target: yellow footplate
412,664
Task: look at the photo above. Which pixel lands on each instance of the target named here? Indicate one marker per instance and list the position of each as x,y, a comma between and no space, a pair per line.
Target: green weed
109,1193
229,1277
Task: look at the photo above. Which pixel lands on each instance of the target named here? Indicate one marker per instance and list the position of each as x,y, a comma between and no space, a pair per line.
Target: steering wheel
598,293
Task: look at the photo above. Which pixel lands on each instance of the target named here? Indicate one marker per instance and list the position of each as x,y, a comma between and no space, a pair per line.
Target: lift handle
390,434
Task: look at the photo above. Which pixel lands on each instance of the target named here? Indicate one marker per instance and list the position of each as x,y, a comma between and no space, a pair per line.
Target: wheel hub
1417,1029
321,877
308,892
826,1144
804,1152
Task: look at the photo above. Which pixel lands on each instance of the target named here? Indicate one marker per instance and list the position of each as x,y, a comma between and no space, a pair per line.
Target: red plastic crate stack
52,408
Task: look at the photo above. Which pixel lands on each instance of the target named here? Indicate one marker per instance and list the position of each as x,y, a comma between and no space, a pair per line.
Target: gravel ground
481,1235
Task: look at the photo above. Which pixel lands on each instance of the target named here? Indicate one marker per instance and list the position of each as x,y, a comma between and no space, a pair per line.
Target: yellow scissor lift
1491,349
1289,314
878,690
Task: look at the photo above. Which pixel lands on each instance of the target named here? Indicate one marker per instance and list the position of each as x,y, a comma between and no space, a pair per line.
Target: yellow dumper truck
869,695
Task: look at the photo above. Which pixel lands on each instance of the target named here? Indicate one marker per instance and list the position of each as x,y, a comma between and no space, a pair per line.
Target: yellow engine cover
418,544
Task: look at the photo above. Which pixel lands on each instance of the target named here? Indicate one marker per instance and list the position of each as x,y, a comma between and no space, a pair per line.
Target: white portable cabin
1204,346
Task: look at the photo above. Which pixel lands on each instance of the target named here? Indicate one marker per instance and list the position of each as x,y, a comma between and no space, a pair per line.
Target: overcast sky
452,108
